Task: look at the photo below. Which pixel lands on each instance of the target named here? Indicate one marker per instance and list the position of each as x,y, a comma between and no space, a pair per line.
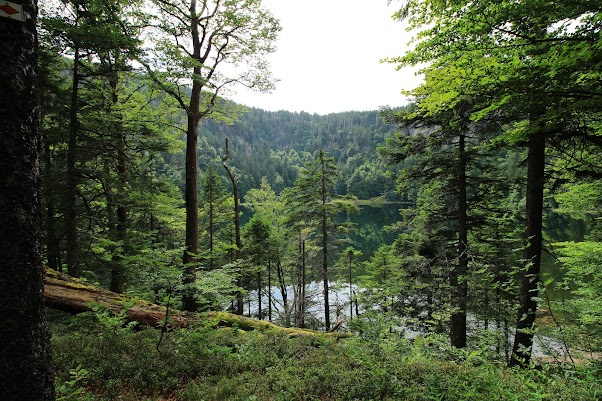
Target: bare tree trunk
239,297
269,289
325,247
26,370
303,284
283,292
53,253
523,339
72,174
350,290
118,271
191,173
459,286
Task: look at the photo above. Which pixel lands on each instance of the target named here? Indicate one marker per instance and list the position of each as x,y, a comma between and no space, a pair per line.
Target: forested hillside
276,145
449,249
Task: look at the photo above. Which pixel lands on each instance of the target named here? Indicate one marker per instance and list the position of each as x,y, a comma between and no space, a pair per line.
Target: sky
328,57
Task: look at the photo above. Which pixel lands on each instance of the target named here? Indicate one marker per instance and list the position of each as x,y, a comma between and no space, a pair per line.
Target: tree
214,212
258,249
313,206
237,239
194,43
264,202
101,38
518,59
348,258
25,358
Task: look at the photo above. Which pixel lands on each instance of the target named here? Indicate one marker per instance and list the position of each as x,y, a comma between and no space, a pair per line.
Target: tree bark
26,371
324,244
523,339
53,254
191,173
72,175
459,286
239,297
118,270
72,295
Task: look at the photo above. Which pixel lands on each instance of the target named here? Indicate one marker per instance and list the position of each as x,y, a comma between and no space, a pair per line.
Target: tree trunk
302,314
523,339
72,295
118,271
239,297
350,290
53,253
269,289
283,292
325,247
26,371
72,174
459,286
191,194
259,312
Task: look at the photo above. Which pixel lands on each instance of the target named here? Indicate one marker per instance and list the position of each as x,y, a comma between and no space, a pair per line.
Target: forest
159,241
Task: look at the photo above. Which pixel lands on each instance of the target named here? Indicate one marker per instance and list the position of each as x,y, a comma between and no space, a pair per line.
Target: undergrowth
205,363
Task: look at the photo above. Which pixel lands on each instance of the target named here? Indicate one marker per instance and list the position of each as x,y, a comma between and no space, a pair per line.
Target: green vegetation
483,282
206,363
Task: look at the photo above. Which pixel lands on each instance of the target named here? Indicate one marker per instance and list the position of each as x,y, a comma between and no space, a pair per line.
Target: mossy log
71,295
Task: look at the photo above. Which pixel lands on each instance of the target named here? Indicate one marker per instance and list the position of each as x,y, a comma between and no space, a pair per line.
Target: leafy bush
207,363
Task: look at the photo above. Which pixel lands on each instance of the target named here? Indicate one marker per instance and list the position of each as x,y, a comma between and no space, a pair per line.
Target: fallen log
71,295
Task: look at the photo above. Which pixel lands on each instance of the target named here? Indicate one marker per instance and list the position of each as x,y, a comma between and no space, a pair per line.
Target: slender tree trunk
325,247
259,295
302,303
459,286
486,309
191,173
269,289
118,271
118,274
239,297
72,175
26,371
283,292
523,339
211,228
350,291
52,238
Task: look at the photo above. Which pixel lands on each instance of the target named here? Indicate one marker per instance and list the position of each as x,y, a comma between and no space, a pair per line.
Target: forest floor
99,357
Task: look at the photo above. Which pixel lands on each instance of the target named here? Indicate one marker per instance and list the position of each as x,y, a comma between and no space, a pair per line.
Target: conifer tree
313,205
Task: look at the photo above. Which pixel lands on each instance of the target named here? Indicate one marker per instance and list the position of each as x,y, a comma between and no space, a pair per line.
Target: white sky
328,57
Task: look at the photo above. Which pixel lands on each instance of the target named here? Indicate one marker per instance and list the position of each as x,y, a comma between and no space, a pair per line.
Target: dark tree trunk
259,312
300,301
239,297
283,292
525,323
72,175
118,273
118,270
191,195
26,371
53,253
350,290
325,247
459,286
269,289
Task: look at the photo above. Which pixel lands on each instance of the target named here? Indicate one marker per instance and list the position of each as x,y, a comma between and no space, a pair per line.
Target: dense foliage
495,165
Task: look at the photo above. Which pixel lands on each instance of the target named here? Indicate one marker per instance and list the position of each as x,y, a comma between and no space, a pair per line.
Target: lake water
369,232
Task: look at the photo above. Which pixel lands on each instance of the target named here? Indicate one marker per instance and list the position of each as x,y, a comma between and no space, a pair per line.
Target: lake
369,232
